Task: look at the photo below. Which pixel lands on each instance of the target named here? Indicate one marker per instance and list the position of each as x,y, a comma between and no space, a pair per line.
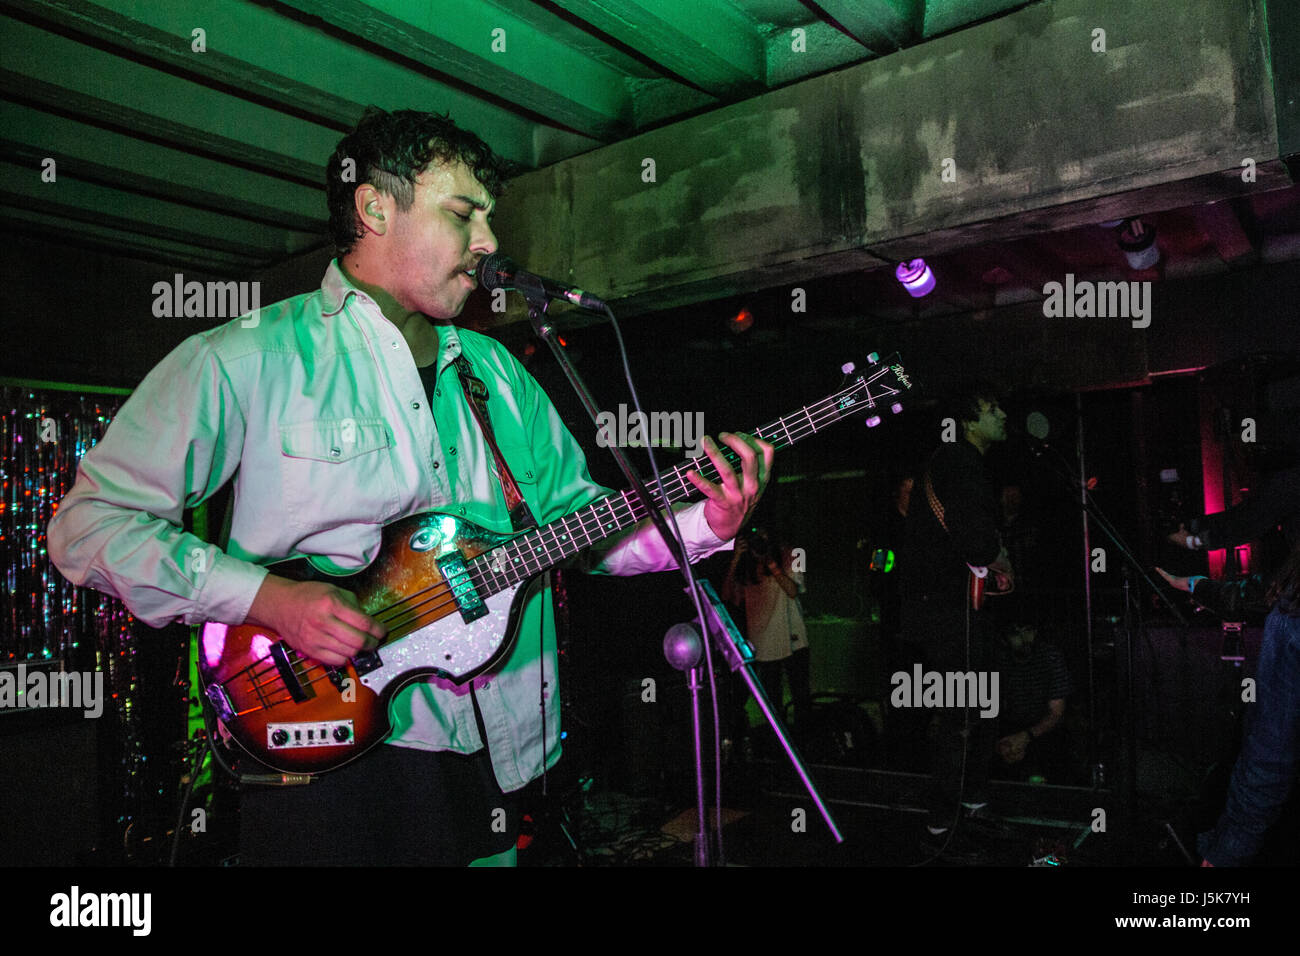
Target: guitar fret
542,547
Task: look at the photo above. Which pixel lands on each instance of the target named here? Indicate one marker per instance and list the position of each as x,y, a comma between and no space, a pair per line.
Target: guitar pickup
367,661
280,656
457,577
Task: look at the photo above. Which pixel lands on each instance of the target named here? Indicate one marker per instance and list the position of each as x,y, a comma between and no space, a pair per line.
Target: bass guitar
450,594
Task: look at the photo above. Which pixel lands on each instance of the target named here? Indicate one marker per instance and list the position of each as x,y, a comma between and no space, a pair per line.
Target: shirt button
452,450
437,465
334,452
438,392
486,685
396,346
415,405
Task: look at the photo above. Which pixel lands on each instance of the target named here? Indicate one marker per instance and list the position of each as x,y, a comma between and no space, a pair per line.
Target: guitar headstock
882,386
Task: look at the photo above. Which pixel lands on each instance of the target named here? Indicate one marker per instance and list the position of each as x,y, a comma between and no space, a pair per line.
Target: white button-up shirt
316,407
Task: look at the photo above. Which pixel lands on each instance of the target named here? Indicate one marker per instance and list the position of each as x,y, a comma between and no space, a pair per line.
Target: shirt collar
335,289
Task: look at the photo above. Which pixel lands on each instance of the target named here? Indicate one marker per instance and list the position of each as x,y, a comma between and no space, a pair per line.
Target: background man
952,525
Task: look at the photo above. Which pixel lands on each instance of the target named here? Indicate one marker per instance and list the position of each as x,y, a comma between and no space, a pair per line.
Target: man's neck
420,335
981,445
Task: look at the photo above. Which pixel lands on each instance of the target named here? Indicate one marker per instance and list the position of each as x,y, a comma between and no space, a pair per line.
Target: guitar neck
535,551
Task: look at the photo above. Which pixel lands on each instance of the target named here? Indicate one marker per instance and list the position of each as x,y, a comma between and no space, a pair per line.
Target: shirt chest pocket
336,472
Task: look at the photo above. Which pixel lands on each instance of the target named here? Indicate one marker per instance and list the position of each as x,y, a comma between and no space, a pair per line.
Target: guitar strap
521,518
937,507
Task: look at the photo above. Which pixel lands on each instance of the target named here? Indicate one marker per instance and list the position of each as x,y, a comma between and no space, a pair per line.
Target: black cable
541,666
693,588
185,799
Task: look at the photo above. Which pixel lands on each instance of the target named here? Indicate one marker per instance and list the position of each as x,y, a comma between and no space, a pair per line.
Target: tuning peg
873,421
896,407
873,358
848,368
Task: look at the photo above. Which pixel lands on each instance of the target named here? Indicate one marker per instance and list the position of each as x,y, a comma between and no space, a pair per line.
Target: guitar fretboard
534,551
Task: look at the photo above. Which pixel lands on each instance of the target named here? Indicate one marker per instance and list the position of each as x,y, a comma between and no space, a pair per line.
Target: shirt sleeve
1260,512
564,485
1059,687
174,443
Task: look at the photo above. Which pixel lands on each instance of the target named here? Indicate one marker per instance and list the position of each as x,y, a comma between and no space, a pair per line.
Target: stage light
1138,242
916,277
741,321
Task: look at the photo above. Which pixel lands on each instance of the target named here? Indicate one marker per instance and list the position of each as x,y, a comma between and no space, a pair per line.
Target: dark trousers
797,673
961,741
395,806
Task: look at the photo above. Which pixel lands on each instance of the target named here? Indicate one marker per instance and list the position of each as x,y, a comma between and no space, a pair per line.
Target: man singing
337,412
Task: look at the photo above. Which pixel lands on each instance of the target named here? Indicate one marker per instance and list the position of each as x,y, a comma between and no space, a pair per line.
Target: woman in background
762,582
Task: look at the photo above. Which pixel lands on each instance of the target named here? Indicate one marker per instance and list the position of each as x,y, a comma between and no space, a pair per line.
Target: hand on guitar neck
316,619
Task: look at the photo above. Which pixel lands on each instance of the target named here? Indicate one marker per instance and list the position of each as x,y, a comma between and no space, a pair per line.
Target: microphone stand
1131,623
706,600
739,655
538,301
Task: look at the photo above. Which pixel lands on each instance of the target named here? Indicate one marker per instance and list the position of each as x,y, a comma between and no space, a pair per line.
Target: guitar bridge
220,702
457,577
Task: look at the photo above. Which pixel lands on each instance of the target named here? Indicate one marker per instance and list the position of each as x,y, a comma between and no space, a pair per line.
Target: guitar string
621,505
622,509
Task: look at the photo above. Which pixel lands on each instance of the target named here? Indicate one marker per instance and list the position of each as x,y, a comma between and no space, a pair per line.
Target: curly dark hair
963,404
390,150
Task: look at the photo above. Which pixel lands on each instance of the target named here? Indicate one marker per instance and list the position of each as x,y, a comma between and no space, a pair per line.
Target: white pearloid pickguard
448,644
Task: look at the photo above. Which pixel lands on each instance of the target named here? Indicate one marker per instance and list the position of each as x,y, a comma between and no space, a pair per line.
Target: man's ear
374,209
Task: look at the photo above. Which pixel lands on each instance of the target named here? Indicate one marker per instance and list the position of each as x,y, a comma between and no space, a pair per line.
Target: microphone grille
494,271
1037,424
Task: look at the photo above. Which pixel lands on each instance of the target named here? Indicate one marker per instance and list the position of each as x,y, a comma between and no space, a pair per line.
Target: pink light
260,646
1214,499
214,642
916,277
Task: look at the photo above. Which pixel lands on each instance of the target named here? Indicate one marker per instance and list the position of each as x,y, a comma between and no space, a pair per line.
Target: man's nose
484,240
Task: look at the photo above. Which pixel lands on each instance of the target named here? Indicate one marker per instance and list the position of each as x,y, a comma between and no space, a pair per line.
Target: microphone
501,272
1034,433
1037,425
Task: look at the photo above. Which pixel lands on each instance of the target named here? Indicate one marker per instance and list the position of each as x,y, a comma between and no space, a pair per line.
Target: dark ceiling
195,132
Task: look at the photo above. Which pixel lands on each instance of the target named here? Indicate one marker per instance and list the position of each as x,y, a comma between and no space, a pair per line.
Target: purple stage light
916,277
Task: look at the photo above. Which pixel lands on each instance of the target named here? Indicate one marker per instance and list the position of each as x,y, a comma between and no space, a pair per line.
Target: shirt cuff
646,552
229,589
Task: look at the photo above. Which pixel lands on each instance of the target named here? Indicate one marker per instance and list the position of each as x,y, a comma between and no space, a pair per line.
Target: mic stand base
740,656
